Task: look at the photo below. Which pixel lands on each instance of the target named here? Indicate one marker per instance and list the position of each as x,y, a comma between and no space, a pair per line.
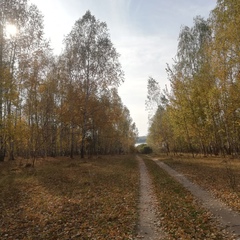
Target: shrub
144,149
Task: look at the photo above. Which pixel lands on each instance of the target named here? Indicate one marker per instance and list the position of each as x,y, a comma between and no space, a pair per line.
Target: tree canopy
59,105
202,113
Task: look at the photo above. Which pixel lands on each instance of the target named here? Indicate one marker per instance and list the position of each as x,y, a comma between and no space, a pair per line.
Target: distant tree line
143,149
200,113
59,105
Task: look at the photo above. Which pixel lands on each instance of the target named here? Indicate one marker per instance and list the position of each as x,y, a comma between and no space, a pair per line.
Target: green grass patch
181,216
71,199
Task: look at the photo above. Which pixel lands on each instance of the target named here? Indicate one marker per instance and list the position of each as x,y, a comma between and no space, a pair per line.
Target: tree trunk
82,149
72,146
2,147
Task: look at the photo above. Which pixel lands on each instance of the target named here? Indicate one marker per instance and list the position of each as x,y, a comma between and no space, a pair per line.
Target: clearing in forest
70,199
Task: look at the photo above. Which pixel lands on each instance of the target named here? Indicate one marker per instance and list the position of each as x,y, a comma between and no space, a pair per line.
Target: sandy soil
148,226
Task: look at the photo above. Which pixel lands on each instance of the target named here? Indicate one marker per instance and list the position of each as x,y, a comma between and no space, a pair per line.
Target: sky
144,33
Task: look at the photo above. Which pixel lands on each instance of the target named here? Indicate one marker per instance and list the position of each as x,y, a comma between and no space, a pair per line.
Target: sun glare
11,30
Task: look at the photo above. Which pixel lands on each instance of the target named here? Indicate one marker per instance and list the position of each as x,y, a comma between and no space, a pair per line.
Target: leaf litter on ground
220,176
182,217
70,199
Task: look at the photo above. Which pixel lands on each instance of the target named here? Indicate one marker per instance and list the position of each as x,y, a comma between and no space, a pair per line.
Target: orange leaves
217,176
181,216
66,199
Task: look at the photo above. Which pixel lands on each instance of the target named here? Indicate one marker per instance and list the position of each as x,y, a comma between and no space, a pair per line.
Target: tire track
149,225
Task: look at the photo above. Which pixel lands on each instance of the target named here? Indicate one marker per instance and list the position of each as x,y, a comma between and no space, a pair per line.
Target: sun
11,30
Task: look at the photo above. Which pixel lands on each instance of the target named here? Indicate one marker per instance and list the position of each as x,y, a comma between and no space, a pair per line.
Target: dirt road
227,217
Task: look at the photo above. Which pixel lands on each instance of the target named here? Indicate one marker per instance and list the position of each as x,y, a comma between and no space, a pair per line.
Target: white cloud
144,33
141,57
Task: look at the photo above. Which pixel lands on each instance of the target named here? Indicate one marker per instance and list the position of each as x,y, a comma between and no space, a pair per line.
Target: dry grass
181,215
70,199
221,176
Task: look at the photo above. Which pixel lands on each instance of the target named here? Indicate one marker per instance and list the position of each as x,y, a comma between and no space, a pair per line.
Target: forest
59,105
200,112
75,173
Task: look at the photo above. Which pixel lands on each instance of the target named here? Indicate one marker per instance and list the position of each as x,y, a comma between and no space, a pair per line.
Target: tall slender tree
92,63
11,12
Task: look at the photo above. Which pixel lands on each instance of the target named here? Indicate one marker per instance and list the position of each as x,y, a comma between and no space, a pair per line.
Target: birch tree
93,64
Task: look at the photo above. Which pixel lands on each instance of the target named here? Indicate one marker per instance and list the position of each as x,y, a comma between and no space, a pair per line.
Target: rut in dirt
228,218
149,224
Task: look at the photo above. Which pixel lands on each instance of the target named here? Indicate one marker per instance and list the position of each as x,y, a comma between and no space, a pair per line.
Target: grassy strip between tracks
181,215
